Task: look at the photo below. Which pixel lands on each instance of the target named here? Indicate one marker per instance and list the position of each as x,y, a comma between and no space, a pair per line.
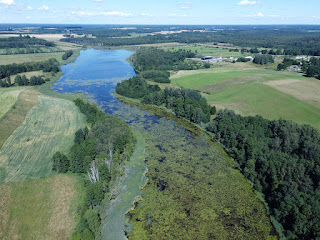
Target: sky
200,12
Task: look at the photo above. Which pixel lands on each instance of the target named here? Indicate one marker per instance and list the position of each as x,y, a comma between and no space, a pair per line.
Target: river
189,174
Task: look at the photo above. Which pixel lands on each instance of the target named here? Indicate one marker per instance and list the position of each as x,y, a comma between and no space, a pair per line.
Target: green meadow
251,90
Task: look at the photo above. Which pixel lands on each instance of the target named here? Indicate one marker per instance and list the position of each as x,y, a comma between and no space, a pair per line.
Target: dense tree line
263,59
51,65
282,160
22,81
185,103
136,87
156,76
98,153
154,64
24,42
243,59
67,54
151,58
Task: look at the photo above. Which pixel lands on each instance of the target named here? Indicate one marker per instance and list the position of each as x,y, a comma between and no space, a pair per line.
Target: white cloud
44,7
176,15
7,2
110,13
98,1
186,6
29,8
260,14
248,3
146,15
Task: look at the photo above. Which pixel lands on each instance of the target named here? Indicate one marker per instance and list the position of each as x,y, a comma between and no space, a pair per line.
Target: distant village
211,59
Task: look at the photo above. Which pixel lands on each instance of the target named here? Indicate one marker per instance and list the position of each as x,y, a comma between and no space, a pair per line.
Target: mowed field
40,209
8,98
48,127
257,90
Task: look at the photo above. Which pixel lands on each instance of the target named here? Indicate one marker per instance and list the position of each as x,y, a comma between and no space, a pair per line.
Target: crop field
48,127
252,91
34,57
8,98
40,209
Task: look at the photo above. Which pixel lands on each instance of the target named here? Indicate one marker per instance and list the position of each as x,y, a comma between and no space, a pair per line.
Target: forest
263,59
151,58
24,42
185,103
98,154
282,160
244,36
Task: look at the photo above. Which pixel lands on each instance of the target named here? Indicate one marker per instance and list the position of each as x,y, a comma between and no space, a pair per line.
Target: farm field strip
48,127
33,57
306,90
27,99
8,97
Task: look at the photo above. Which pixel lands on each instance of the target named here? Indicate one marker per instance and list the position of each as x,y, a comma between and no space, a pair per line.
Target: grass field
48,127
8,98
40,209
34,57
251,90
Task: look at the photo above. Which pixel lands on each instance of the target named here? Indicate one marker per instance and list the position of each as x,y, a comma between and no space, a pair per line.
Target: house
294,68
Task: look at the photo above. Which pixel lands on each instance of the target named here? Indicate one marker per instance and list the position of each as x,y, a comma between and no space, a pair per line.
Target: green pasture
247,91
49,127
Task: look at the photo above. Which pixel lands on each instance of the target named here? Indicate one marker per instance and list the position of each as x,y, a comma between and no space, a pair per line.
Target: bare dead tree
93,173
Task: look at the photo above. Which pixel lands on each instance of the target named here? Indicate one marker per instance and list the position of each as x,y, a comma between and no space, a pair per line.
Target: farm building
249,57
206,58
